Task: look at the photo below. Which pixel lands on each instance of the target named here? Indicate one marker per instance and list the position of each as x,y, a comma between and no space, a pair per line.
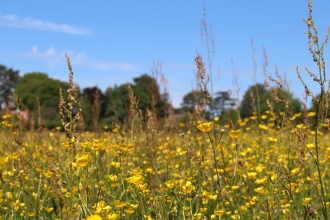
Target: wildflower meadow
273,164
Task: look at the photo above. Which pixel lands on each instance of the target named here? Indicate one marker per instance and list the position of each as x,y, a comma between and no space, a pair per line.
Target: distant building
24,114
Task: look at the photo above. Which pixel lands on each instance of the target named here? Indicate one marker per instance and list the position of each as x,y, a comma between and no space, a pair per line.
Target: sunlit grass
271,165
261,172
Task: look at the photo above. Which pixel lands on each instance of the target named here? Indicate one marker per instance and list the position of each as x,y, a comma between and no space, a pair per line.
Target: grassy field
272,166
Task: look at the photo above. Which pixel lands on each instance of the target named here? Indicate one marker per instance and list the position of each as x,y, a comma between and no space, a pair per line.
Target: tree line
99,108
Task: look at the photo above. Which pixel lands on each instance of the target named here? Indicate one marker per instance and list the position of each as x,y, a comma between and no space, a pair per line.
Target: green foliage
250,102
221,102
191,101
8,81
230,116
37,84
33,85
145,89
93,106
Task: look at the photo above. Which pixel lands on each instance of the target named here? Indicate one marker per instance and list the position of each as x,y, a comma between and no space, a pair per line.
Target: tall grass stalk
317,53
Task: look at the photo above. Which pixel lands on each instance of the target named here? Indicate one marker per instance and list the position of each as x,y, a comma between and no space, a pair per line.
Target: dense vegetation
121,154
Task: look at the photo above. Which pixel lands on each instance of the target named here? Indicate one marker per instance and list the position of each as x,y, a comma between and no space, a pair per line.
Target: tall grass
271,166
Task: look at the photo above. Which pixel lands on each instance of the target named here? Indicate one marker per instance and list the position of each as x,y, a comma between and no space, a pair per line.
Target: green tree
222,101
35,84
191,101
93,106
250,103
230,116
8,81
145,88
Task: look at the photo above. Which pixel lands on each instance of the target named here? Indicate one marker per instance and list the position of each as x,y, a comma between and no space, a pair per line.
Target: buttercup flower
205,127
235,134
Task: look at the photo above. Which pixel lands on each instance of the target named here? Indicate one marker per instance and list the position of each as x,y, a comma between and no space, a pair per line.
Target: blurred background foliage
99,108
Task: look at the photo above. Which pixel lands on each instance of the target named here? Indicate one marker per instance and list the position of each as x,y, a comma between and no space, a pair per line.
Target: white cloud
12,20
52,57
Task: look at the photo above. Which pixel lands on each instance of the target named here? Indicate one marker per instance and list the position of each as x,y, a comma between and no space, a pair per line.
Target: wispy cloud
13,21
52,57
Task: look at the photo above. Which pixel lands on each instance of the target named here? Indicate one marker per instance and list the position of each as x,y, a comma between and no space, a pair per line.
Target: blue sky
111,42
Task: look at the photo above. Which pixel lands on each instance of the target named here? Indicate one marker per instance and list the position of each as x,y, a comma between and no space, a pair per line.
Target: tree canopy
146,90
191,101
36,84
39,84
251,103
8,81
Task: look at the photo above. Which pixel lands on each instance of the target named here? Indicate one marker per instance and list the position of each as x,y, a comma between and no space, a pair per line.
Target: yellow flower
136,180
292,118
263,127
147,217
261,190
85,144
234,134
295,171
272,139
112,216
48,174
311,114
125,147
241,123
170,184
217,118
297,114
131,209
310,146
94,217
98,143
219,212
187,187
83,160
253,117
31,214
119,204
307,200
252,174
205,127
50,209
263,117
262,181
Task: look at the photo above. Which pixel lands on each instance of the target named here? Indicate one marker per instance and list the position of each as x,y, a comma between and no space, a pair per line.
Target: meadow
271,165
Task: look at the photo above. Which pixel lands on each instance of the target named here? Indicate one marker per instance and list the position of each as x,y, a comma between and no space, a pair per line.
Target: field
271,165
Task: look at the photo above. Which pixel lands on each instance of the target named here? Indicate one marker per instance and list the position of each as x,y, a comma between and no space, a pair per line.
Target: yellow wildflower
83,160
261,190
263,127
311,114
119,204
263,117
295,171
307,200
94,217
136,179
112,216
234,134
205,127
253,117
219,212
272,139
171,183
